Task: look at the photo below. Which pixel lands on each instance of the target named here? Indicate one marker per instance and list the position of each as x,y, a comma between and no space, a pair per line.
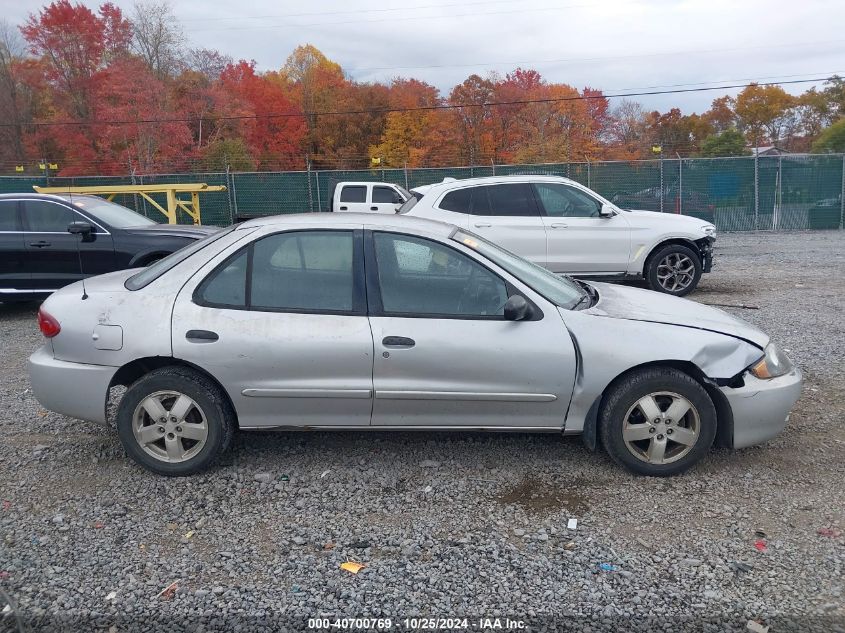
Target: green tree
831,139
234,152
731,142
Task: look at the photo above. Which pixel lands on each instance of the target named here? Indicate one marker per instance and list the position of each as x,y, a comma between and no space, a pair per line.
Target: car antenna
80,237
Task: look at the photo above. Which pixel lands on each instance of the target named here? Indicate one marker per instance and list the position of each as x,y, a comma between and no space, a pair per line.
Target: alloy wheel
170,426
661,427
675,272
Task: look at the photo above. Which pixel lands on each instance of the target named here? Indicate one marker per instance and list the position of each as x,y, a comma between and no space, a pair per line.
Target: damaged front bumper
705,250
760,408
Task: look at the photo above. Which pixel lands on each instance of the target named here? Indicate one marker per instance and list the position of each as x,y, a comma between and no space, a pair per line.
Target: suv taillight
48,324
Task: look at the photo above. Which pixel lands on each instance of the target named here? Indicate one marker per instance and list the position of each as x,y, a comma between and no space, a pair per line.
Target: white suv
568,228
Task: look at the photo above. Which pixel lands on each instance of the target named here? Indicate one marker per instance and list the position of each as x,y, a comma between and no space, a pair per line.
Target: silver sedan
327,321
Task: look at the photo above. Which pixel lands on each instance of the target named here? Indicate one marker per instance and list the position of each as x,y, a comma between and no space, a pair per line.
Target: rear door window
512,199
9,215
353,193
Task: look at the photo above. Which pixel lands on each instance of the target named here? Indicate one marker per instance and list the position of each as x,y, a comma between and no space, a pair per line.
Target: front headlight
773,364
709,229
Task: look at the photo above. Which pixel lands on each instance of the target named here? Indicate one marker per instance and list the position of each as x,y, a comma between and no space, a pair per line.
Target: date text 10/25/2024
418,624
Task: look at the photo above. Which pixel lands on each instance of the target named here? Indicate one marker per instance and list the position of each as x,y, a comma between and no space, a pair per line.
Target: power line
598,59
390,19
347,12
441,106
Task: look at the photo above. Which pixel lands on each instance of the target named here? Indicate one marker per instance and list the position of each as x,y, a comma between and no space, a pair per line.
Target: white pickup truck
367,197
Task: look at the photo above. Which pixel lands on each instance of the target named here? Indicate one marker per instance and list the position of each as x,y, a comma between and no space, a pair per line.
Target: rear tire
673,269
174,421
657,421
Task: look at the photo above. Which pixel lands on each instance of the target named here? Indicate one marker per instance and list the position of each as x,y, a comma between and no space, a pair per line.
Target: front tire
657,421
673,269
175,421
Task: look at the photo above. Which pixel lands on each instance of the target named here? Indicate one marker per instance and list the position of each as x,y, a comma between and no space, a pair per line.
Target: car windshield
561,291
114,215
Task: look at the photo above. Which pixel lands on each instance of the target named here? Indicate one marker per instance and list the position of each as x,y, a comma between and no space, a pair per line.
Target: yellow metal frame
174,203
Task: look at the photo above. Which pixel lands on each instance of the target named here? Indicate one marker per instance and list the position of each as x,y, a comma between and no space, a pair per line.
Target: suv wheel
175,421
657,421
673,269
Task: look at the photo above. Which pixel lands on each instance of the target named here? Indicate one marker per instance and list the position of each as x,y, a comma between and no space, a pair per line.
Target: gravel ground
447,524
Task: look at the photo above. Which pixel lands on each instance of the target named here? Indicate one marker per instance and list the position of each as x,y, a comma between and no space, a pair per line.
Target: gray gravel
447,524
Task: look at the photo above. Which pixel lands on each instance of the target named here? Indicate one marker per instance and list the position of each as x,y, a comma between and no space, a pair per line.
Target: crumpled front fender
607,348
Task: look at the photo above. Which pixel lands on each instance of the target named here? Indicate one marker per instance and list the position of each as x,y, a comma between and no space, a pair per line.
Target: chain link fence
787,192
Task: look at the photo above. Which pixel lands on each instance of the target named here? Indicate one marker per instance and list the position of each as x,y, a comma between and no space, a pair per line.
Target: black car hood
173,230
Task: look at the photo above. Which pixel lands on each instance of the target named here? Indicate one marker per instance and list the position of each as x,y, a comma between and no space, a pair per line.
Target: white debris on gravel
447,524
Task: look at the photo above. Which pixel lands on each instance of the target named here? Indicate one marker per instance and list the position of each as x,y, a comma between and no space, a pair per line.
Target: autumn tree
15,95
76,45
157,37
764,112
627,130
207,61
721,115
315,81
473,118
275,129
411,136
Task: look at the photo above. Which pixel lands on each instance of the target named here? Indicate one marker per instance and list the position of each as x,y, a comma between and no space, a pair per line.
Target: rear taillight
48,324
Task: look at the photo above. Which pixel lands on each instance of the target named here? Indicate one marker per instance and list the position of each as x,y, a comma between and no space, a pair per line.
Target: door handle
344,208
201,336
483,225
40,244
373,208
398,341
559,225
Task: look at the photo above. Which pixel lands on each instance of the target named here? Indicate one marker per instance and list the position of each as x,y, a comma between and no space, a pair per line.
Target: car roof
65,197
494,180
367,220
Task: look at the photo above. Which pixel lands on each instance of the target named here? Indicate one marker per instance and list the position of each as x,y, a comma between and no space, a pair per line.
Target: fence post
229,194
662,190
319,198
310,193
235,196
756,184
406,175
842,197
681,184
778,196
493,164
588,175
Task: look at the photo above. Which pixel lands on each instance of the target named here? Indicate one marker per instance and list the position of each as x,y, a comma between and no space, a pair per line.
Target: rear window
458,201
353,193
156,270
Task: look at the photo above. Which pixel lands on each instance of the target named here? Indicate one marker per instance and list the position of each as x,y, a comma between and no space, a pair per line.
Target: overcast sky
613,45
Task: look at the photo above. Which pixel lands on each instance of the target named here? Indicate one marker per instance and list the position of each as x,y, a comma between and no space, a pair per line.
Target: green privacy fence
737,194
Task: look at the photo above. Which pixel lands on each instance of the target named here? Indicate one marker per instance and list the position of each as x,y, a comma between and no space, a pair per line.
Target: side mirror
606,211
518,309
81,228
